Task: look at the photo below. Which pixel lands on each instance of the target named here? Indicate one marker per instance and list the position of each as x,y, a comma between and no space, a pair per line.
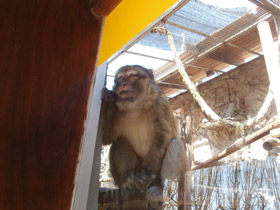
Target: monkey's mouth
126,94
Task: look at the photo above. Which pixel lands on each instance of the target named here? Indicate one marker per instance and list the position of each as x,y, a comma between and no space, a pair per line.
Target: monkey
139,123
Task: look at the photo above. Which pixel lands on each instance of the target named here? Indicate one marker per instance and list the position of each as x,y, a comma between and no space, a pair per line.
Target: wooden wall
48,51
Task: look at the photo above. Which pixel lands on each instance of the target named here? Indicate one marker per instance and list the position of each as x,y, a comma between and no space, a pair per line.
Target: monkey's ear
150,73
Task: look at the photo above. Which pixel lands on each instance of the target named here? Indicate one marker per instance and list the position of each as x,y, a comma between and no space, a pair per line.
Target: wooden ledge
104,7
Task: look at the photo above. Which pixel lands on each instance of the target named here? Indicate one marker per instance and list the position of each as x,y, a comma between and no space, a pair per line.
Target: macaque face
128,83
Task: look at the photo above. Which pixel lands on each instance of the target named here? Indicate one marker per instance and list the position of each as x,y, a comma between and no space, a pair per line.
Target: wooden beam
271,57
239,144
271,144
242,48
204,68
275,133
224,58
171,67
104,7
172,85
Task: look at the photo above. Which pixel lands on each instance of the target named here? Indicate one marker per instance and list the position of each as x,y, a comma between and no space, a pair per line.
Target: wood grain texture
104,7
48,51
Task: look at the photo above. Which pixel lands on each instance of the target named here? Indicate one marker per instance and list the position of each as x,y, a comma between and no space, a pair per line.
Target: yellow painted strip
128,19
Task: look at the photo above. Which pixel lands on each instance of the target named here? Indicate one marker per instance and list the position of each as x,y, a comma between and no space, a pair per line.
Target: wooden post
275,133
272,60
239,144
48,56
273,140
271,144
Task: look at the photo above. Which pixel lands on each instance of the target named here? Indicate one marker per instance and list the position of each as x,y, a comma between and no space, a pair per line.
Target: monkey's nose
123,84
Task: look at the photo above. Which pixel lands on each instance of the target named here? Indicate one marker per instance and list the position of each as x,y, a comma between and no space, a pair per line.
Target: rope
207,111
213,119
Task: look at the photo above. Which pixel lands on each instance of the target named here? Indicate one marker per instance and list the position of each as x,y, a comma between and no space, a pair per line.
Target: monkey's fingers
154,194
108,96
142,174
141,180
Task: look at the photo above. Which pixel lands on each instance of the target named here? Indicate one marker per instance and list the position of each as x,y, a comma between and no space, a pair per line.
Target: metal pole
86,187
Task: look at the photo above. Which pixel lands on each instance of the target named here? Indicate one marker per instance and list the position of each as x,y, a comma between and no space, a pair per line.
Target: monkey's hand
140,180
108,96
154,195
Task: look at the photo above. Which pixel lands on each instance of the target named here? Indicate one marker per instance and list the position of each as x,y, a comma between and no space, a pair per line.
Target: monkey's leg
174,164
175,161
124,164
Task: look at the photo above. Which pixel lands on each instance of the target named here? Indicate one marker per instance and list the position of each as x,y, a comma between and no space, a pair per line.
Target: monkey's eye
133,77
119,79
130,77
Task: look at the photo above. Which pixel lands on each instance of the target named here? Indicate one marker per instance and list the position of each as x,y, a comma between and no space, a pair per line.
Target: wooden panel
225,55
128,20
104,7
48,56
210,63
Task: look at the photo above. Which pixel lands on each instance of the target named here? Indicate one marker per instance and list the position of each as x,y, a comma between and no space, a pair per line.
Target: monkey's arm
153,160
108,112
165,130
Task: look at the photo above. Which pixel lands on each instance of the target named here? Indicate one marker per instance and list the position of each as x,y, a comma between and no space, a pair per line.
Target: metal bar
194,66
242,48
204,68
259,4
240,143
173,85
233,36
268,6
188,29
174,8
86,187
272,6
148,56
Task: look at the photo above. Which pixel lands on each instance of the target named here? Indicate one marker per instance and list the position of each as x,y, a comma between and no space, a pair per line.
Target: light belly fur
139,133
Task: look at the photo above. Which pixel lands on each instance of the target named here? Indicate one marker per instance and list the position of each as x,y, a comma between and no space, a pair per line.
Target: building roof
211,37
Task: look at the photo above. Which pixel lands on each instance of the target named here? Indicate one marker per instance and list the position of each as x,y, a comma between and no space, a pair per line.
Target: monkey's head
134,85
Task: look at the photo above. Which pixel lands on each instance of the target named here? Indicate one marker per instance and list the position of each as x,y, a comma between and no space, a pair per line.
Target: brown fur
139,124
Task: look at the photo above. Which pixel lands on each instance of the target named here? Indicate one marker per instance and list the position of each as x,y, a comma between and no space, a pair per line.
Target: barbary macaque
139,123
